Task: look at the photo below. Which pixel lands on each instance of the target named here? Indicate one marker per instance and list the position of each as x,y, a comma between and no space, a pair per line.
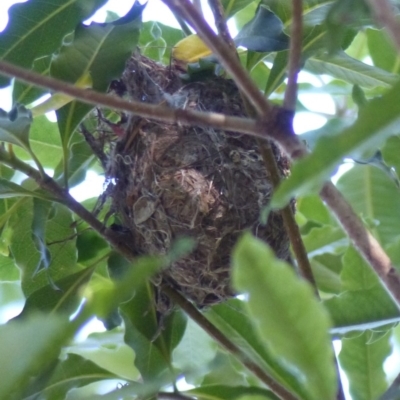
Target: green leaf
27,357
108,351
314,11
343,16
144,336
221,392
15,125
232,319
373,195
41,212
277,74
382,51
9,189
356,273
342,66
61,235
28,36
314,209
363,364
376,121
98,50
170,35
325,239
231,7
361,309
73,372
23,93
305,346
326,269
263,33
44,138
64,295
195,351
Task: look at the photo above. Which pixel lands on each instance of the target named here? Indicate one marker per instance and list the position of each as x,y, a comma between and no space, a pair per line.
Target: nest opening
171,181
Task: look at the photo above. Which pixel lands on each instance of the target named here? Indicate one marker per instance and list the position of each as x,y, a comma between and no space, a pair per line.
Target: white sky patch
92,186
307,121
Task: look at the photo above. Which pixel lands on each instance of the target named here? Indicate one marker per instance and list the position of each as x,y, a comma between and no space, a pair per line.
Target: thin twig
295,48
216,334
385,15
220,22
223,52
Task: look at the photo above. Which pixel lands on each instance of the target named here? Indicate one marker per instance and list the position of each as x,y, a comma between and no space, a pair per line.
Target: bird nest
171,181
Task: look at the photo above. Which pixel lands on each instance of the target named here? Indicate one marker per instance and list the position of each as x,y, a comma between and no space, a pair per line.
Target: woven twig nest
174,181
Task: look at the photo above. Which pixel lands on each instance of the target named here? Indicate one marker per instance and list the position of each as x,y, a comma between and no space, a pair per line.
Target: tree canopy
220,254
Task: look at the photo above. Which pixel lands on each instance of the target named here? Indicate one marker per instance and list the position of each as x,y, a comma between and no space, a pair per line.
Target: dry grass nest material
174,181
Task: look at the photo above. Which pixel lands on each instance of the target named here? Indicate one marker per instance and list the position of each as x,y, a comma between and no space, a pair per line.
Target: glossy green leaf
108,351
195,352
221,392
26,94
326,269
73,372
61,235
41,212
17,345
263,33
306,346
231,7
233,319
382,51
375,196
343,16
144,335
170,35
390,153
28,37
101,51
363,364
325,239
376,121
361,309
314,209
9,189
44,138
314,11
342,66
15,125
8,270
64,295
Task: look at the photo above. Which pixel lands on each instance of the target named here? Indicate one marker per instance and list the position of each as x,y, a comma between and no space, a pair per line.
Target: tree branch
216,334
62,195
295,49
223,52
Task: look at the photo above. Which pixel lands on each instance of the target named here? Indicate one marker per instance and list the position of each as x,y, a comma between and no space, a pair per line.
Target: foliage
63,269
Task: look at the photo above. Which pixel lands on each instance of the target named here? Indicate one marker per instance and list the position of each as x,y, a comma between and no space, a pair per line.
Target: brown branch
385,15
366,244
220,22
216,334
62,195
222,50
271,166
296,36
